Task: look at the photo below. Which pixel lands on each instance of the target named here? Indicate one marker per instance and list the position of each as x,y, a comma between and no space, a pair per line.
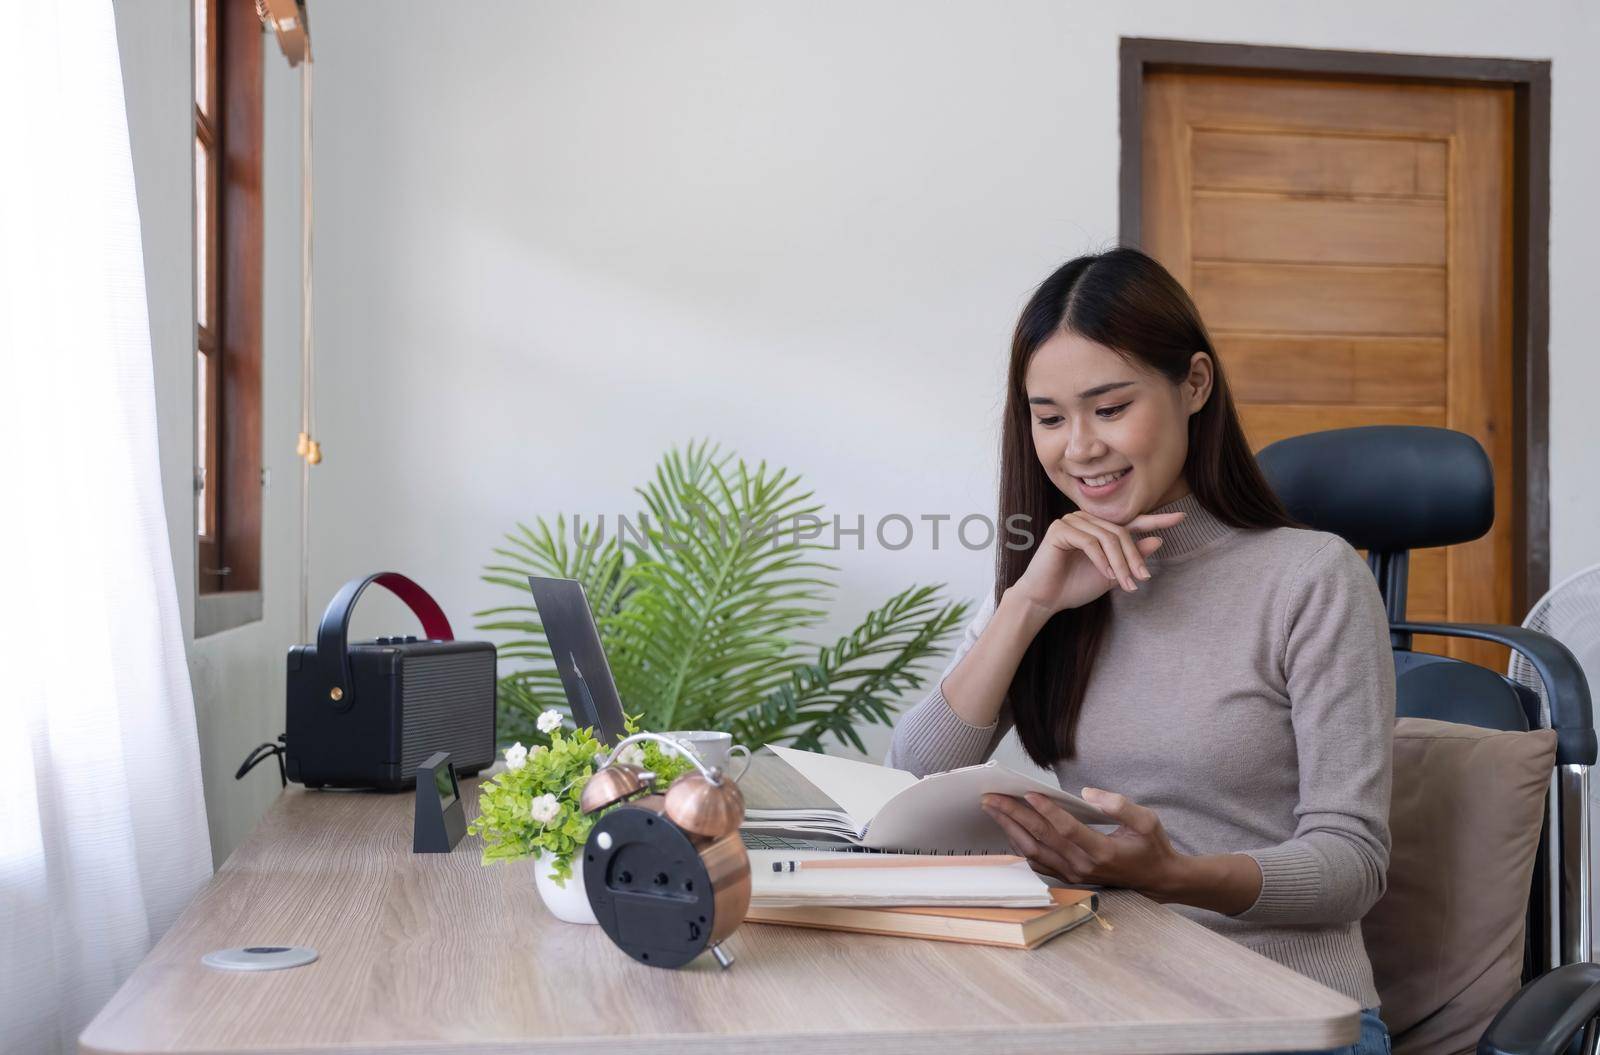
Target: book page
944,811
859,788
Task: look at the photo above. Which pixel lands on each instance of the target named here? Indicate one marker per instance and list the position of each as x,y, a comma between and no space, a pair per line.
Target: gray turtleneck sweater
1246,694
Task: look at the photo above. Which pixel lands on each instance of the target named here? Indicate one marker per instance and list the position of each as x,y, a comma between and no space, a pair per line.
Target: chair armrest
1546,1014
1565,688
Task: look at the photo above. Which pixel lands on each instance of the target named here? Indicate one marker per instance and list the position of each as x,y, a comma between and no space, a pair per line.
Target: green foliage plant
704,603
508,820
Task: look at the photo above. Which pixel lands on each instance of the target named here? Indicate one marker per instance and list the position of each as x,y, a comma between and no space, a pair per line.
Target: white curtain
102,824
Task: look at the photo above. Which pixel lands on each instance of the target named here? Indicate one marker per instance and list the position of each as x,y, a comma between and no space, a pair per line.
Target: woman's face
1111,433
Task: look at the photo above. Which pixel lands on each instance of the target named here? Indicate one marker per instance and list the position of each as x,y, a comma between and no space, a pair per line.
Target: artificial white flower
550,721
545,808
516,756
632,755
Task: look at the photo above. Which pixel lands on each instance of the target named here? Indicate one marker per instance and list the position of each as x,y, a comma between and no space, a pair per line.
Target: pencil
901,861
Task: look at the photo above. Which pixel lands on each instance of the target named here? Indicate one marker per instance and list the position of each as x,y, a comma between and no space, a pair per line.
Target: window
227,270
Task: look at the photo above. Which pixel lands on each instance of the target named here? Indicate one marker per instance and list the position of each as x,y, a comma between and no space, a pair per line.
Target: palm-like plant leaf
857,678
718,597
701,601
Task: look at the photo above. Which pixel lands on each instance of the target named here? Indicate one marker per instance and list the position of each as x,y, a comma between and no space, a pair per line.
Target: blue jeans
1374,1039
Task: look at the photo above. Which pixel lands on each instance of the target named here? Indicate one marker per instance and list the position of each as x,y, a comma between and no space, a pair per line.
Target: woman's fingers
1130,547
1023,842
1080,540
1073,832
1020,838
1062,840
1141,820
1025,832
1117,545
1000,804
1111,547
1156,521
1061,867
1082,867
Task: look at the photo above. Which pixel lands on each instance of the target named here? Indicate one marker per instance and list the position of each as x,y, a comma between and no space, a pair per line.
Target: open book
891,809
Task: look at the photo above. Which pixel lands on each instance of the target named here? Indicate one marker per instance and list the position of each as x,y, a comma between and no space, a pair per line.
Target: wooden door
1349,247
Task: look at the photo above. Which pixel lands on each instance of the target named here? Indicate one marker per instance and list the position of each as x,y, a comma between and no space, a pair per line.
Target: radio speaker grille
449,706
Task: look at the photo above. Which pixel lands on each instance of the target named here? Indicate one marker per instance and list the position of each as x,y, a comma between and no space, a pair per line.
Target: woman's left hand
1137,855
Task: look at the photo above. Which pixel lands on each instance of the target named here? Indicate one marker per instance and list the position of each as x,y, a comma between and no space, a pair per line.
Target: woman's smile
1102,485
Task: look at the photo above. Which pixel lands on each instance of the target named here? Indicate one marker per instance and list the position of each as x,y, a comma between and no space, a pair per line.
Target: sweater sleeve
930,737
1339,669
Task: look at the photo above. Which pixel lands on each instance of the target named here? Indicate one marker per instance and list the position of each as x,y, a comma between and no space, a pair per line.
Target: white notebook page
860,788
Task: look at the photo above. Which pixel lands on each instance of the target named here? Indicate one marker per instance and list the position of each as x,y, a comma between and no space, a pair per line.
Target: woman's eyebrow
1100,390
1088,393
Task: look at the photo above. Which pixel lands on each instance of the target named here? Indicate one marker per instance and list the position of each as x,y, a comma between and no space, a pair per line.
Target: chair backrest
1385,488
1392,489
1389,489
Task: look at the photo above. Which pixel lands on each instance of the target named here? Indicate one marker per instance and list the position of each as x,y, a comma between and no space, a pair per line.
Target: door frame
1530,225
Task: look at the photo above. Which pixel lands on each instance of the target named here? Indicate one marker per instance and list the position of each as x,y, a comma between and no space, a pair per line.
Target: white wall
237,675
555,238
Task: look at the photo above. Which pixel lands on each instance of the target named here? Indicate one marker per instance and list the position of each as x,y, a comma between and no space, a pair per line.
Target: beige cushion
1446,938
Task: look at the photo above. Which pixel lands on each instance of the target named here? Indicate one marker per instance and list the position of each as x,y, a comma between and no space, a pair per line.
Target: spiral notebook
1014,885
889,809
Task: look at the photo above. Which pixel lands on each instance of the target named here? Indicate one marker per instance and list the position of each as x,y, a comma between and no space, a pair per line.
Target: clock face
648,886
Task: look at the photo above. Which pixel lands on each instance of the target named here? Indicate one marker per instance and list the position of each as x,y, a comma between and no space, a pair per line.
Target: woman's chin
1118,510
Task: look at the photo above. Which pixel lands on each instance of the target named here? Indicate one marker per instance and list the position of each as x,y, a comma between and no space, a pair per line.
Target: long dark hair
1126,301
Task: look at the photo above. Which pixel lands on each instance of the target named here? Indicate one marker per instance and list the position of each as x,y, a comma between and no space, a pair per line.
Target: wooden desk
435,954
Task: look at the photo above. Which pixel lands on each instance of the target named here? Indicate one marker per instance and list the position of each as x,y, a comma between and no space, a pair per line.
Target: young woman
1216,679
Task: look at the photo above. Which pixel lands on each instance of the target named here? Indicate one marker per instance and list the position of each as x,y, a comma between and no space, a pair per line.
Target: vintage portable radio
366,714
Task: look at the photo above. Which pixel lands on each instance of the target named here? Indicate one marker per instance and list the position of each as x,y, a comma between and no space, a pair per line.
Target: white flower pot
569,903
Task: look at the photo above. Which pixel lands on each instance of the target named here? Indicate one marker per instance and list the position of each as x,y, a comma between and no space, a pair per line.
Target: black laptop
580,659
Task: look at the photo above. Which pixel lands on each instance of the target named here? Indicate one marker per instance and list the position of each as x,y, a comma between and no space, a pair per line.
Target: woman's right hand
1082,556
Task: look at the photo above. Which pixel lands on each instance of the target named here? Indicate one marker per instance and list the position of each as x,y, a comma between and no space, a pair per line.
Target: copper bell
699,845
615,783
697,805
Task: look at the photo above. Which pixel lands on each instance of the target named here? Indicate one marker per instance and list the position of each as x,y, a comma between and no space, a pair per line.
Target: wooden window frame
228,557
1529,80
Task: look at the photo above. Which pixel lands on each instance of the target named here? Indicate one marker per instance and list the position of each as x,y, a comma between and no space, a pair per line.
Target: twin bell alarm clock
667,874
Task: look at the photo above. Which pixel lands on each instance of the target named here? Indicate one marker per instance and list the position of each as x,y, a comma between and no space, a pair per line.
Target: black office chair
1392,489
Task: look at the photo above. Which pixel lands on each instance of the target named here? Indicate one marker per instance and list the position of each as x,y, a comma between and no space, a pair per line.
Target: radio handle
333,633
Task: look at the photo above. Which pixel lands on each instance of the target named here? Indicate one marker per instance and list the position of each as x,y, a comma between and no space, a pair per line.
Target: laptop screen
581,661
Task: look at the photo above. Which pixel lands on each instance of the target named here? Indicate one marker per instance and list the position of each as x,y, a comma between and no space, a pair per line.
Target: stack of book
1013,928
907,856
982,900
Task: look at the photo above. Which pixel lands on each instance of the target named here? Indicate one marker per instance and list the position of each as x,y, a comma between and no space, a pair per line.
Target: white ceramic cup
713,748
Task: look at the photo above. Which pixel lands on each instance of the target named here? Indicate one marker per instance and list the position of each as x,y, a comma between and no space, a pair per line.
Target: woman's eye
1111,412
1050,422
